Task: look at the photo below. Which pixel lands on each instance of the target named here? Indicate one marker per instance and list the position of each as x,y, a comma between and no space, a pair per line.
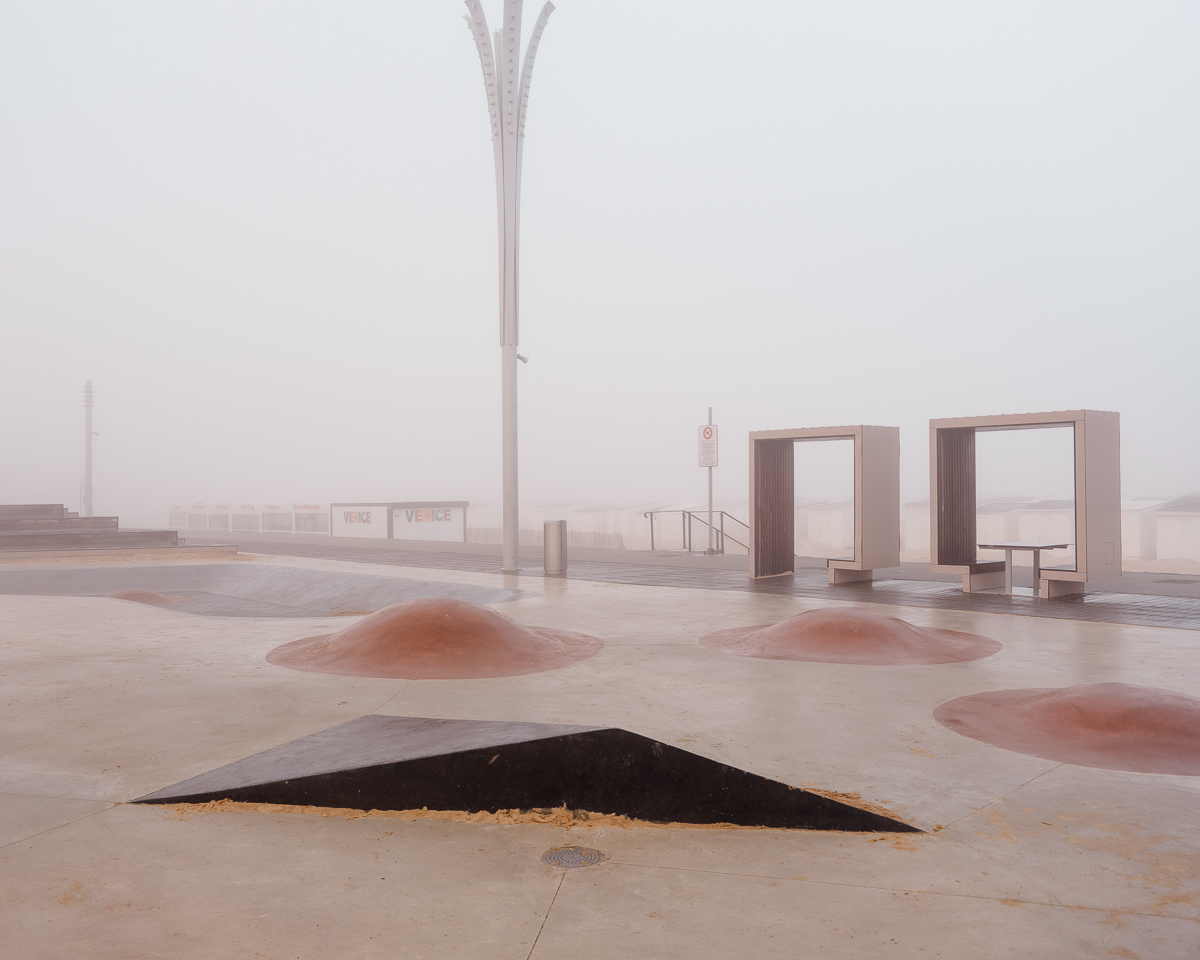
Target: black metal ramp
406,763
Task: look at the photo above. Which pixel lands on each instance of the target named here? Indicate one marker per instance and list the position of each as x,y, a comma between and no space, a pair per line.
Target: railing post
687,534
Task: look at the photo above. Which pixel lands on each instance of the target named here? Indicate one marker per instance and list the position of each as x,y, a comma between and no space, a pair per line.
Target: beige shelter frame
876,500
952,533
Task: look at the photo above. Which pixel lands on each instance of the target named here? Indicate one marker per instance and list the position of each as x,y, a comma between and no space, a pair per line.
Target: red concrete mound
851,635
138,595
1115,726
436,640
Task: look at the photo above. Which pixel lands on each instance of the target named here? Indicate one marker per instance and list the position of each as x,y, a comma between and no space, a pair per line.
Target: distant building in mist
1178,528
1139,528
1151,529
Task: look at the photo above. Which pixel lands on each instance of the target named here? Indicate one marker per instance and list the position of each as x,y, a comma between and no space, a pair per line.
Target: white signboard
708,445
360,520
429,523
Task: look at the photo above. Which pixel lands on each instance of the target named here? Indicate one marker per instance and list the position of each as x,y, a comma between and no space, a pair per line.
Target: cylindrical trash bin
554,549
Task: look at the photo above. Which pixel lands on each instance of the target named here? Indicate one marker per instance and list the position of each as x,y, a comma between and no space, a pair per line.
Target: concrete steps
102,540
50,526
57,525
21,511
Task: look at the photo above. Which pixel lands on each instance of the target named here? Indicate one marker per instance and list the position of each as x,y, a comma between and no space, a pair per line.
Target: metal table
1036,548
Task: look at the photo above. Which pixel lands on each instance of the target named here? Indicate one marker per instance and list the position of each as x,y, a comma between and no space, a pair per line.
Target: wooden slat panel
57,525
18,511
774,502
956,495
88,541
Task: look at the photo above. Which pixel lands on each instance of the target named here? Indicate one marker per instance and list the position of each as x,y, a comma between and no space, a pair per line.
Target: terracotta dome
138,595
851,635
438,639
1115,726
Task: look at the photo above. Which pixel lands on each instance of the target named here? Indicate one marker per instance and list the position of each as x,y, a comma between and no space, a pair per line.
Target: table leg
1008,571
1037,571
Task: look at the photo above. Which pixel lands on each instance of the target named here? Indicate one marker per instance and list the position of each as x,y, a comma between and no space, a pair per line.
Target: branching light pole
508,96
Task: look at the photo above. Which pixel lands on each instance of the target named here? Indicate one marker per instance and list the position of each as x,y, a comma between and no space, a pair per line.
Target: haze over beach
267,233
306,653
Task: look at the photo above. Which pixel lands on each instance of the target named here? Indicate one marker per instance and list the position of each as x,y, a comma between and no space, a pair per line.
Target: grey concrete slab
142,882
241,589
1149,602
23,816
937,862
629,910
1122,840
104,700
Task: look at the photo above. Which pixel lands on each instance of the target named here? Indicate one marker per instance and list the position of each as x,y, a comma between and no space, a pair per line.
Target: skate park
890,655
159,707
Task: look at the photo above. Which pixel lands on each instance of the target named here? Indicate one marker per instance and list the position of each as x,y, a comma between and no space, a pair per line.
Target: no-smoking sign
708,445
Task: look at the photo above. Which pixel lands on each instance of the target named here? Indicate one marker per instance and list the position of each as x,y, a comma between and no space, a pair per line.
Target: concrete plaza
106,700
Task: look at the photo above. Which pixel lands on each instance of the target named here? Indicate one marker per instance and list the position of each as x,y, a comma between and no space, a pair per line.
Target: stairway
50,526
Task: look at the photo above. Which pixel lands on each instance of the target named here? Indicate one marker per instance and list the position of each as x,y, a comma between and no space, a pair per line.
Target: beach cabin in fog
231,518
828,529
1178,528
996,520
1139,528
914,526
1046,521
999,520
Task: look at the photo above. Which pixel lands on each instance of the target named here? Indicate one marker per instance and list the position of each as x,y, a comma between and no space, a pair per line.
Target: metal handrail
686,518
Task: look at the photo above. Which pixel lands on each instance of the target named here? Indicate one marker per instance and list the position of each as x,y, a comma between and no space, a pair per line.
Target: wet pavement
108,700
1158,600
236,589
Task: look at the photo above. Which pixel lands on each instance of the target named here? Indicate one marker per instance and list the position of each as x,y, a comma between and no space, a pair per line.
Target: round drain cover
572,857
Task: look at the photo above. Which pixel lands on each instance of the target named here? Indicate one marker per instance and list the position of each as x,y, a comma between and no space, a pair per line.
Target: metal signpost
708,458
508,97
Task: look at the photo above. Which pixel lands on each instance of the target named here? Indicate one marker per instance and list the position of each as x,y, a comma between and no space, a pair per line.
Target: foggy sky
267,232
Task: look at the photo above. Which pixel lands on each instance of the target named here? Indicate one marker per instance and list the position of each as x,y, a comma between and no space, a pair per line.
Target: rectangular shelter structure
876,500
952,531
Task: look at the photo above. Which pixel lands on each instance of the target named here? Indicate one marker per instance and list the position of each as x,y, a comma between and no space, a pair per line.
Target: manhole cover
572,857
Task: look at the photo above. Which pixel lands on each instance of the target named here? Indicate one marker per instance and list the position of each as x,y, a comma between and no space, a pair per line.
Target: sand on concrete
554,816
851,635
1113,726
437,639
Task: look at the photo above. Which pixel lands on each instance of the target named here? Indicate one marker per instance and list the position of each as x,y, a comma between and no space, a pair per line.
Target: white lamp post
507,84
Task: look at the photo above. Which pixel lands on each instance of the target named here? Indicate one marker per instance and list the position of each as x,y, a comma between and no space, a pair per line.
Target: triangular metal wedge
406,763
